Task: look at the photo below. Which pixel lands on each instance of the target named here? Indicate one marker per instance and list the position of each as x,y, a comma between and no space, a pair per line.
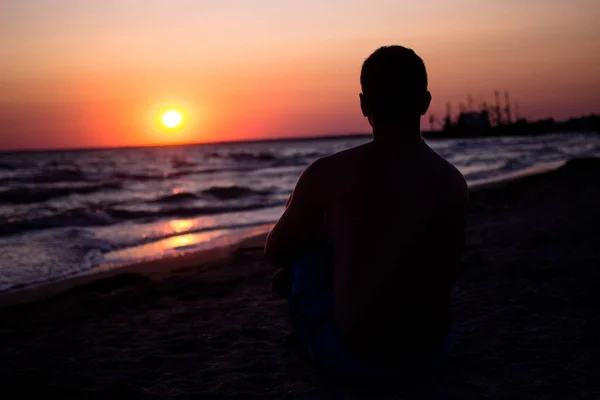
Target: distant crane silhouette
433,120
494,115
484,107
507,108
498,116
448,119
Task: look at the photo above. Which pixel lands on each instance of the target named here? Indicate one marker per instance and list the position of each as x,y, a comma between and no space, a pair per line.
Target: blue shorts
310,306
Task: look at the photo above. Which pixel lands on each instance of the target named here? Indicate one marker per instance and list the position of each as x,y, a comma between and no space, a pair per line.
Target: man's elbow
270,252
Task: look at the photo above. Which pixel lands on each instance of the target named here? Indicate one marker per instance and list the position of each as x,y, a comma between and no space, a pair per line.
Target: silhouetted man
372,237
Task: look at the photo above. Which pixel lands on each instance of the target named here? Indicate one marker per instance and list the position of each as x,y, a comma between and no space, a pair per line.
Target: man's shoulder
343,157
457,176
453,179
459,185
328,169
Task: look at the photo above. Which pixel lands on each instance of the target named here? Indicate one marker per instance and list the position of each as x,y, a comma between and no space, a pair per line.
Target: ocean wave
70,218
175,175
68,174
48,176
214,193
25,195
9,166
158,176
233,192
142,177
75,250
176,198
244,156
291,162
146,239
182,163
183,212
111,216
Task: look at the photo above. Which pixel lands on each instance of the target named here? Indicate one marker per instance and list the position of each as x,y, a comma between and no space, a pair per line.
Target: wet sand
526,316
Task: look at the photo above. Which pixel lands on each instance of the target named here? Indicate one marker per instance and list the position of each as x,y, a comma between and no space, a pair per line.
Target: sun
171,119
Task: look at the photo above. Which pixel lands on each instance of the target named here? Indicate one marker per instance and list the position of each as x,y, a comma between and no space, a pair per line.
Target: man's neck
397,133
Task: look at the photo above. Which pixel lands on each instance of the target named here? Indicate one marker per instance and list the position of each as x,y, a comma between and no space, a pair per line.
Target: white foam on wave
180,245
48,256
533,170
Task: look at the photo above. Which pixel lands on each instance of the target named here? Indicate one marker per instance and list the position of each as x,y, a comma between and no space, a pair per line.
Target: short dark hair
394,82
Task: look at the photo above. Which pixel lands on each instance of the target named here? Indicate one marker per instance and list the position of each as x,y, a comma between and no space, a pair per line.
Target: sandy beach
206,326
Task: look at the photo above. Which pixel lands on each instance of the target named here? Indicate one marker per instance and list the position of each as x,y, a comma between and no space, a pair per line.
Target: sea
64,213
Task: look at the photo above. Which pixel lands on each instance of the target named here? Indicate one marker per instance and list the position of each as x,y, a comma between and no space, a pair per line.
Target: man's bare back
396,216
395,212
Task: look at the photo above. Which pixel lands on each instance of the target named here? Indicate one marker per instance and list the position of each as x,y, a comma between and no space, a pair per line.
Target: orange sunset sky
83,73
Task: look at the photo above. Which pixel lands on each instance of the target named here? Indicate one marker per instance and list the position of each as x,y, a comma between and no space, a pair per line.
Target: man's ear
364,106
426,103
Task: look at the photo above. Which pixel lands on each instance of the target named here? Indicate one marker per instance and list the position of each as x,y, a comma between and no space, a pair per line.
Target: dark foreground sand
527,317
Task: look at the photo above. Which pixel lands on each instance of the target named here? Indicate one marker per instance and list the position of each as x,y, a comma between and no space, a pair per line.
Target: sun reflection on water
180,244
180,241
172,245
181,225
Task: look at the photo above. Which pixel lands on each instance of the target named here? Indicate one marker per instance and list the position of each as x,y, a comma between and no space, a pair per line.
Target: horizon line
255,140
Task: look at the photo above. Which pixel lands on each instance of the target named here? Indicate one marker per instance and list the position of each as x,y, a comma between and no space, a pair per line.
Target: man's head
394,86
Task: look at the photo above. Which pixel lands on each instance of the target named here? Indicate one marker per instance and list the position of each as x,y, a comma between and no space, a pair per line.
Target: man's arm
302,216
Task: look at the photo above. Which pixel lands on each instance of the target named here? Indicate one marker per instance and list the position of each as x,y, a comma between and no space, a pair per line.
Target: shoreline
164,266
154,269
523,174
